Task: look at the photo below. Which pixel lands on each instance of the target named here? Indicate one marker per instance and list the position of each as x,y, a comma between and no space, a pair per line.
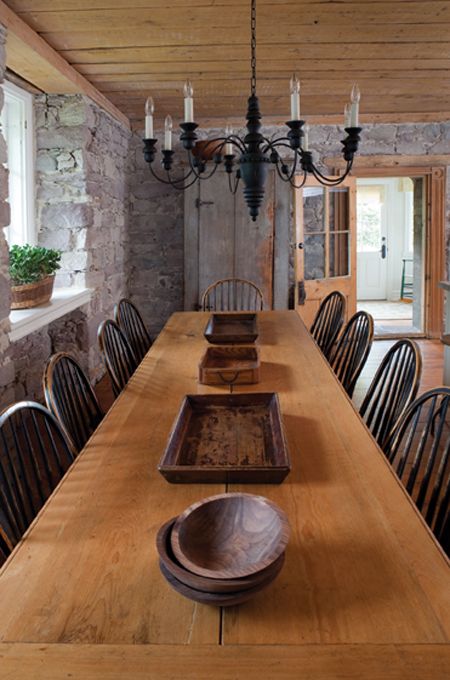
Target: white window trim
64,300
28,158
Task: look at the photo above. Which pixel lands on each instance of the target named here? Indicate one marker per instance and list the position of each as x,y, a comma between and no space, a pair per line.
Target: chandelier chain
253,47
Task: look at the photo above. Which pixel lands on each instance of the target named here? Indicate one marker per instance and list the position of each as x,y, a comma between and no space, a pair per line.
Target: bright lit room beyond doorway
390,253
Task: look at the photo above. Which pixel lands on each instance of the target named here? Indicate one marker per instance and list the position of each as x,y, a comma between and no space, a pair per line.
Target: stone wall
156,243
82,209
6,365
155,264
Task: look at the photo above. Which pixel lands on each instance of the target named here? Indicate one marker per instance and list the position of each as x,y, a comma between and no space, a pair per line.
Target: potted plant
32,271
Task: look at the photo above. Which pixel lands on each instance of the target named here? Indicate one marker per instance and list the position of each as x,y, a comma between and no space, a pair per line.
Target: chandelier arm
202,177
280,174
328,181
273,143
236,183
185,186
232,139
302,183
171,181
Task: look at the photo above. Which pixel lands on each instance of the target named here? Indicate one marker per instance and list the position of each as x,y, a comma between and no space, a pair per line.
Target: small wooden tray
239,328
227,438
229,365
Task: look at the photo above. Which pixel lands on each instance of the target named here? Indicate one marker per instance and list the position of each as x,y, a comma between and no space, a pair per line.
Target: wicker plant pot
32,294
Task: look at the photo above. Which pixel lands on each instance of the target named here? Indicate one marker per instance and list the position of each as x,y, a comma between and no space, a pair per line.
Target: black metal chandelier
255,153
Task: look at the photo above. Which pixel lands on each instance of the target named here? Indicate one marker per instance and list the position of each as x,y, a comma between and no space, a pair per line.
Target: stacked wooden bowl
224,549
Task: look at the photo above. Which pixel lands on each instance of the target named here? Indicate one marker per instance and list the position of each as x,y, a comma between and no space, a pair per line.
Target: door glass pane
339,254
339,209
369,215
314,250
313,209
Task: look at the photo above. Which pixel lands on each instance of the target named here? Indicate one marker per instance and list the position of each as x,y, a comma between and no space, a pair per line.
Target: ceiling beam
28,55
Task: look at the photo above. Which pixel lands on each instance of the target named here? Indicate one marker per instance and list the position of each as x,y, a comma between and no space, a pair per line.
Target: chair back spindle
233,295
130,321
328,321
117,353
392,390
351,352
419,453
71,399
34,455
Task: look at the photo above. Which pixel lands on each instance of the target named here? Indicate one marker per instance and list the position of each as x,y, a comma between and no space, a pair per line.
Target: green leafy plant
28,264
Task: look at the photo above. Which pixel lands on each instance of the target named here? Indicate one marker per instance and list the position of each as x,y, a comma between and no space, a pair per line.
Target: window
370,216
326,232
17,127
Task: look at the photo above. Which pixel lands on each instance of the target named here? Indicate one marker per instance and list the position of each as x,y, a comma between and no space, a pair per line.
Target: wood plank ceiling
398,52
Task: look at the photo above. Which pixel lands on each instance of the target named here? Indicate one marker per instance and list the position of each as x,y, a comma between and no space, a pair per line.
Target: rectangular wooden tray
229,365
238,328
227,438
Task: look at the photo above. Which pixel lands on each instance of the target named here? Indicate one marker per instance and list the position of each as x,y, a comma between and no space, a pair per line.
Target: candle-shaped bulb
356,94
305,142
149,109
228,145
354,98
188,102
295,84
295,98
347,115
188,89
168,133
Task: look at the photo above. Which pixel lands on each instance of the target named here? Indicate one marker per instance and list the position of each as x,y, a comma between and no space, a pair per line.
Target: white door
372,245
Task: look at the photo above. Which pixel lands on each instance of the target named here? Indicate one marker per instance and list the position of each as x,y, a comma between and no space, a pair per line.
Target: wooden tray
239,328
227,438
229,365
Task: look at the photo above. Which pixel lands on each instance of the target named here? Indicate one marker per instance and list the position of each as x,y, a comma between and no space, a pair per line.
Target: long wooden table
365,589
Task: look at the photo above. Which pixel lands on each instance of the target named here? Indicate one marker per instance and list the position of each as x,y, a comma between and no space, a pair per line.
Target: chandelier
248,157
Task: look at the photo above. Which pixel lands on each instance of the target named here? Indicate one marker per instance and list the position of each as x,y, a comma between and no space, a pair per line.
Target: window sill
64,300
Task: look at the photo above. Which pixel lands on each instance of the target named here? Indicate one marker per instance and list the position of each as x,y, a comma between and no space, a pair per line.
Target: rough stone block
66,214
74,261
46,161
65,161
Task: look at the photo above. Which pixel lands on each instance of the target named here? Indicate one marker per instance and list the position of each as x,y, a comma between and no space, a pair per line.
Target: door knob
300,246
383,249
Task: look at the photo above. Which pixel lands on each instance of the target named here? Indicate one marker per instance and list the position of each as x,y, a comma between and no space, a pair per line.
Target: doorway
428,248
391,226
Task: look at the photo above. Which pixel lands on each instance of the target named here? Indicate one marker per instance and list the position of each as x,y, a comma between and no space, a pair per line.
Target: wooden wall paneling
191,247
311,37
435,252
216,231
282,243
32,58
254,241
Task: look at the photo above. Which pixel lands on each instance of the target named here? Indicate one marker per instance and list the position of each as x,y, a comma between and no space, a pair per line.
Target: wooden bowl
218,599
230,535
208,585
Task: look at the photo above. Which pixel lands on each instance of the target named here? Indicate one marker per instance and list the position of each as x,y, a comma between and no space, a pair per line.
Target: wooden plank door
221,240
326,245
253,245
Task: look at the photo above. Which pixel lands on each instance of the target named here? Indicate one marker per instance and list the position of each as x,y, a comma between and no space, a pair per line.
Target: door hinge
301,292
198,203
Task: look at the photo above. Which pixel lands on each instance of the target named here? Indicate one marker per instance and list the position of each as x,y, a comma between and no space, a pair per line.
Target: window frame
27,160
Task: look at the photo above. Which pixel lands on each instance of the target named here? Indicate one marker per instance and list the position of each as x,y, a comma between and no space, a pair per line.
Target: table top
364,579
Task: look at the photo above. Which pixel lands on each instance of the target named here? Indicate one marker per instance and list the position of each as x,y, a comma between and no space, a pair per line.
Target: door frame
316,289
434,264
281,247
